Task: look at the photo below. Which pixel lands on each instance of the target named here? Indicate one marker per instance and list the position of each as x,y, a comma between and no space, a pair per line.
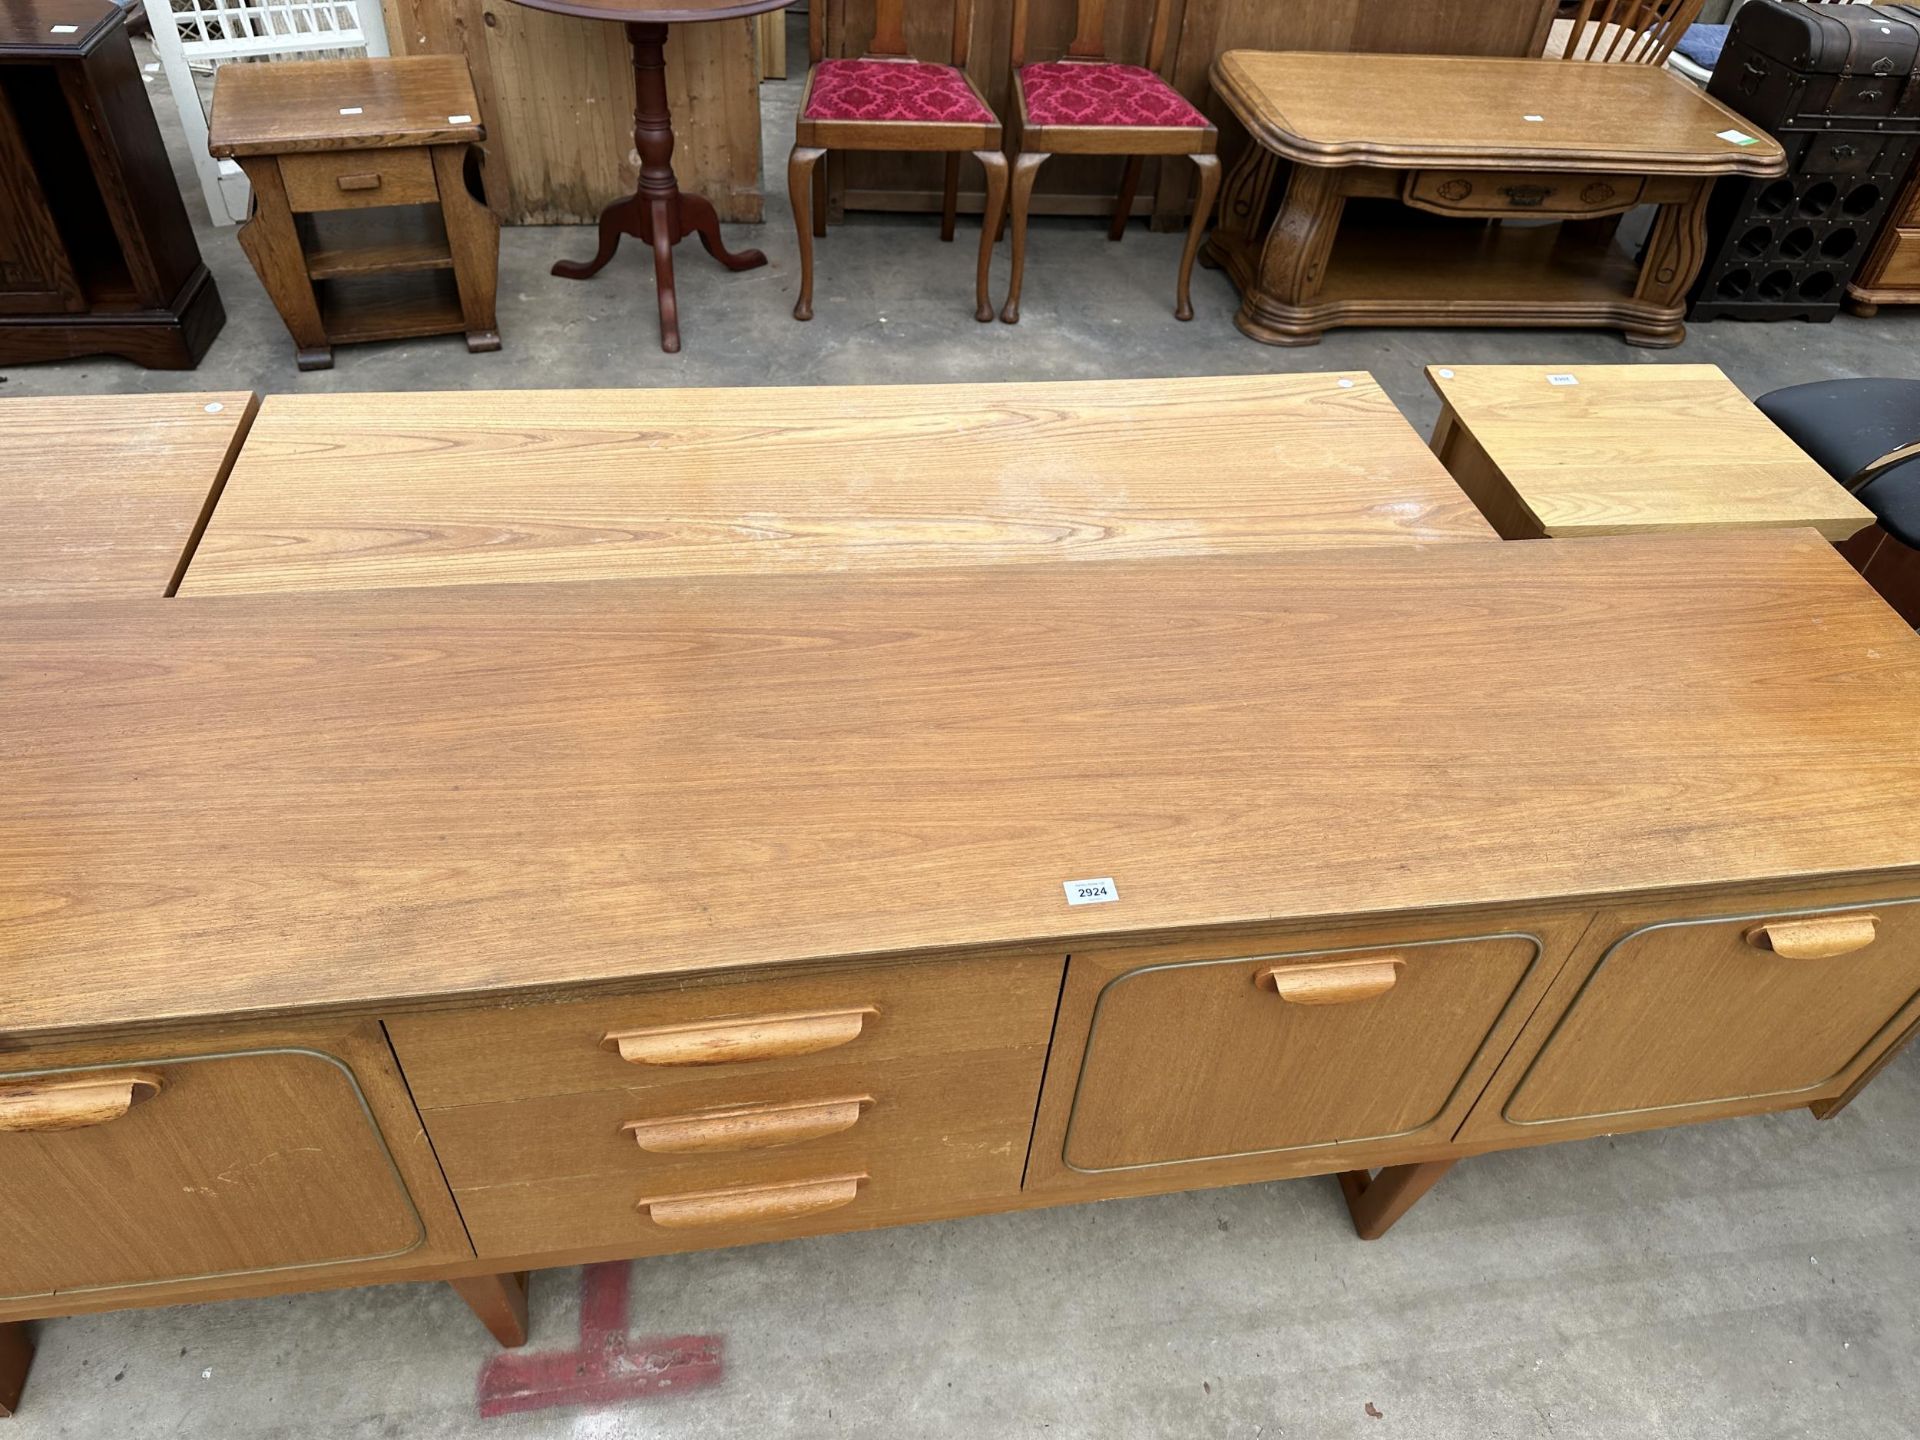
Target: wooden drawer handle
759,1202
1334,984
747,1127
1821,938
369,181
720,1042
73,1104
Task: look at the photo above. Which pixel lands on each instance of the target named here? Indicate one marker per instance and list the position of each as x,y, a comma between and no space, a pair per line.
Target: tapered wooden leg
473,235
1024,169
501,1303
803,169
1209,168
16,1356
950,197
820,200
271,242
1376,1201
995,165
1123,207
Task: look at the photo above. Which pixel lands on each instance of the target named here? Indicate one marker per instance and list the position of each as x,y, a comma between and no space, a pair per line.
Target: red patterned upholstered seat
1067,93
903,90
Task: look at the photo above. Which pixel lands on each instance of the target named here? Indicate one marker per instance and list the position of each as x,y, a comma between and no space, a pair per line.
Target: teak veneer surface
1470,112
341,492
1626,448
297,105
279,801
103,499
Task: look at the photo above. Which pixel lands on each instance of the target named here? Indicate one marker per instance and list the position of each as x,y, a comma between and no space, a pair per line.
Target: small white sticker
1533,119
1562,379
349,109
215,407
1444,374
1736,137
65,29
459,119
1090,892
1344,384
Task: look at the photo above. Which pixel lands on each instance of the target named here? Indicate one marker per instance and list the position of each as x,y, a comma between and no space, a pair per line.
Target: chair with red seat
1088,104
889,100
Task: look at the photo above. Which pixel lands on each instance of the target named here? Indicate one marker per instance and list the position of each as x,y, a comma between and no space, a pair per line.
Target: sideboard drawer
356,179
693,1032
1259,1054
1731,1010
580,1171
1493,192
190,1165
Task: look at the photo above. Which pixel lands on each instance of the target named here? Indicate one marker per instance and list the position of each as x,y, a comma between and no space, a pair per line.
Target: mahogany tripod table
659,213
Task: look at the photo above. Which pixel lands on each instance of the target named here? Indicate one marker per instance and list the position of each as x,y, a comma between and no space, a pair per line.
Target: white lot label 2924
1090,892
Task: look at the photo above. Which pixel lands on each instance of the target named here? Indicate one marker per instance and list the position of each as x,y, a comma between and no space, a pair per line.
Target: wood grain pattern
296,105
308,795
1468,111
270,1152
1630,448
106,496
385,490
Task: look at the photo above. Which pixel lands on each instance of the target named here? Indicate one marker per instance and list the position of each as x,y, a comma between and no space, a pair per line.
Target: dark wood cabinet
96,255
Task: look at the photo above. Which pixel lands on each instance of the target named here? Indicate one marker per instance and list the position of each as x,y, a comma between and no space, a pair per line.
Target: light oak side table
369,221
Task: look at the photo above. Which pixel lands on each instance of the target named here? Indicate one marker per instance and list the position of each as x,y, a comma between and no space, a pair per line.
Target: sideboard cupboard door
1280,1055
1723,1015
195,1162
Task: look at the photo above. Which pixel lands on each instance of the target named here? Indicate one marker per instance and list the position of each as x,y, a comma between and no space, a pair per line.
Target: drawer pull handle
720,1042
368,181
747,1127
759,1202
1817,939
73,1104
1336,984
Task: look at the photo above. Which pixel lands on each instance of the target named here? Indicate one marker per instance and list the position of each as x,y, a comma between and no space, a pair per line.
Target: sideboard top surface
1487,112
273,801
100,497
350,491
54,29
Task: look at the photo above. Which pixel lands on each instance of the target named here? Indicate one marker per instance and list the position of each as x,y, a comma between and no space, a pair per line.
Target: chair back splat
1090,33
890,32
1641,32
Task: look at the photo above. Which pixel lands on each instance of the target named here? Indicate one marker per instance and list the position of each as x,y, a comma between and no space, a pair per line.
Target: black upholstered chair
1866,434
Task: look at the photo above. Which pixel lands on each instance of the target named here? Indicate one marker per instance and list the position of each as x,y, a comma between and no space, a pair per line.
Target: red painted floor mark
609,1366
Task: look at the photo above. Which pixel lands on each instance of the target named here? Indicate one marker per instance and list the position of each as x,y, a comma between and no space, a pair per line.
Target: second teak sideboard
452,932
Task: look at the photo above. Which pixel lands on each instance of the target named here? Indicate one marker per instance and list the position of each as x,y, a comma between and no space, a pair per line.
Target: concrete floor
1754,1278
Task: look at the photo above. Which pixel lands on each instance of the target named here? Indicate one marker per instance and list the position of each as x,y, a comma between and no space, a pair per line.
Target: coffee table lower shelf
1392,265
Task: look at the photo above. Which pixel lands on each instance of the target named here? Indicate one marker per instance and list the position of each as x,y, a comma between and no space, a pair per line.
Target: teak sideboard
451,932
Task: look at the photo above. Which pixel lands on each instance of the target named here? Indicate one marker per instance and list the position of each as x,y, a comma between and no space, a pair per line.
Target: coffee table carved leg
1243,200
1293,262
16,1357
1025,168
657,213
1376,1201
1676,248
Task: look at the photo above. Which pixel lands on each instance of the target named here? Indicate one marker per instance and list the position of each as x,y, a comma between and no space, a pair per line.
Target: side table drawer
1494,192
355,179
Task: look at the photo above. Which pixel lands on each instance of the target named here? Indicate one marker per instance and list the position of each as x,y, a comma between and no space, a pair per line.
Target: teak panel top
282,800
1628,448
101,498
298,105
27,27
351,491
1469,112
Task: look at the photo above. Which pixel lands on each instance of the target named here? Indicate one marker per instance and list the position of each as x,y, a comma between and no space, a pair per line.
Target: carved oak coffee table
1398,163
